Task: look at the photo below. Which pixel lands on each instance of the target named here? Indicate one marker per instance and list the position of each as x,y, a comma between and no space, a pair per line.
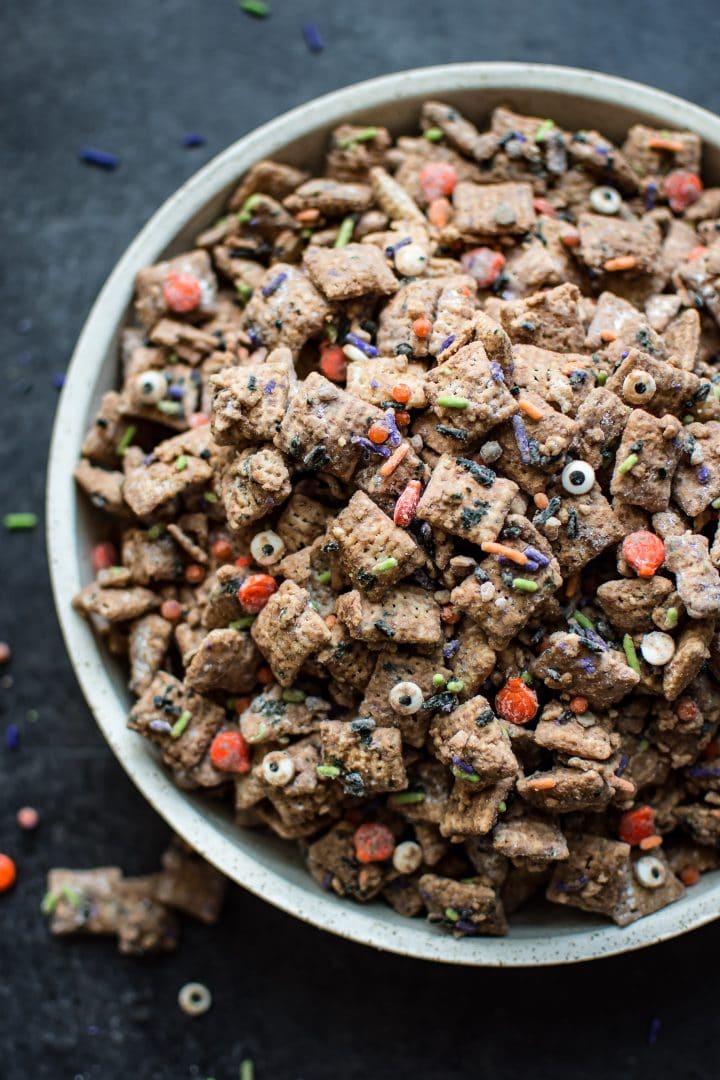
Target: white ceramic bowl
265,865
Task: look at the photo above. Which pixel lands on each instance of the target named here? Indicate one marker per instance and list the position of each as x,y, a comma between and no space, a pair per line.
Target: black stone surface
133,77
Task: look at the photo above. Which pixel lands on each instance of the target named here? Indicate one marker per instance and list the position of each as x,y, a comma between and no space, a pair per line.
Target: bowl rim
354,922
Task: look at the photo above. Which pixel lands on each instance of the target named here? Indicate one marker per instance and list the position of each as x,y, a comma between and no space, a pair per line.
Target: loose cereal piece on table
185,285
252,484
270,718
563,379
373,552
530,838
103,487
466,499
616,319
144,926
611,244
115,605
502,596
471,741
286,309
650,152
550,319
395,668
584,665
225,660
148,643
288,631
321,427
151,557
629,603
466,392
368,758
600,421
179,720
486,211
463,908
83,901
642,380
697,581
588,525
350,271
646,460
190,884
333,864
248,403
565,790
407,615
474,660
697,480
302,521
374,379
588,735
691,652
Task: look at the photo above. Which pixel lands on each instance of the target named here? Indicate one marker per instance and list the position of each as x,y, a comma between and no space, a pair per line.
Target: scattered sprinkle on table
19,522
27,818
58,380
8,873
193,139
12,737
247,1070
312,38
5,653
100,158
257,8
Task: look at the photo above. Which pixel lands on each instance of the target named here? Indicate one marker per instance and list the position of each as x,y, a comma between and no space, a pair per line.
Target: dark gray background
133,76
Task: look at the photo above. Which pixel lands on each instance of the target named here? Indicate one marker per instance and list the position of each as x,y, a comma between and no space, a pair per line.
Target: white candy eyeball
638,387
657,648
267,547
606,200
650,872
407,857
410,260
405,698
578,477
278,768
194,999
151,387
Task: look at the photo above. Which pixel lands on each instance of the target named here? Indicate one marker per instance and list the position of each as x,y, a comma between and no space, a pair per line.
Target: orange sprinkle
330,621
195,573
690,875
439,211
572,585
571,238
265,675
696,252
449,615
243,560
466,291
388,467
378,434
402,417
541,500
305,216
198,419
241,704
657,142
621,262
579,704
491,548
401,393
529,409
422,327
607,336
542,783
649,842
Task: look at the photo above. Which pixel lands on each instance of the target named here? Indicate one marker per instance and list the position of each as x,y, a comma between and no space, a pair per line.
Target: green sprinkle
688,419
628,464
384,565
127,438
545,129
366,135
247,1070
438,679
671,618
180,724
49,902
210,497
331,332
231,704
243,290
643,745
155,532
449,401
169,408
325,577
306,233
293,696
345,232
407,798
115,570
174,358
72,896
243,623
455,686
258,8
502,807
582,620
716,390
523,584
451,914
182,463
469,880
18,522
330,771
435,134
601,377
471,777
630,653
248,206
526,678
715,504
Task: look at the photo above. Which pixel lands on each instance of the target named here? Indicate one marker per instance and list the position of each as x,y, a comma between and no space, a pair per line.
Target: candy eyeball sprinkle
151,387
578,477
657,648
407,857
267,547
278,768
410,260
650,872
405,698
638,386
606,200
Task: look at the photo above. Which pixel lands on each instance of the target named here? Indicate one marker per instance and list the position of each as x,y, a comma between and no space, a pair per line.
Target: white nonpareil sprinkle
657,648
487,591
407,857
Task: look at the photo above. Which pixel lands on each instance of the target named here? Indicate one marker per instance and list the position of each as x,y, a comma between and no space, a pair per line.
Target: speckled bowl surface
269,867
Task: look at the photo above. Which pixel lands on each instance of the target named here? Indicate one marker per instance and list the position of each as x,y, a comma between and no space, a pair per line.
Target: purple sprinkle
25,357
423,579
496,371
160,725
255,339
176,393
92,156
592,636
312,38
374,384
521,439
703,474
362,345
274,285
193,139
148,459
24,325
12,737
624,762
536,556
466,927
395,436
704,772
650,195
653,1031
576,373
587,665
624,356
326,880
572,886
462,765
531,566
370,447
450,648
58,380
447,343
93,1030
269,387
602,150
392,248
